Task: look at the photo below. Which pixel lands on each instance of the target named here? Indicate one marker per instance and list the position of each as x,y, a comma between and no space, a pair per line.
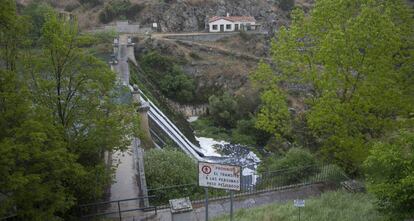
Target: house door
222,28
236,27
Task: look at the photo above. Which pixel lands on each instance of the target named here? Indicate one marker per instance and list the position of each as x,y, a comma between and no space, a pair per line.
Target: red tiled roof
233,18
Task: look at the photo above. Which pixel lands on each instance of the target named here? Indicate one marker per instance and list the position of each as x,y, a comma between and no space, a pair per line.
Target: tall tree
80,92
355,56
59,113
34,161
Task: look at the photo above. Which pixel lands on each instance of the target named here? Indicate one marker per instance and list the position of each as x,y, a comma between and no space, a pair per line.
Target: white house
231,23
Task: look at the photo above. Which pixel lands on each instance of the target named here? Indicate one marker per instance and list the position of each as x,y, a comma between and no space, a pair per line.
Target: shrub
161,172
295,166
119,9
390,175
223,110
168,77
168,171
246,133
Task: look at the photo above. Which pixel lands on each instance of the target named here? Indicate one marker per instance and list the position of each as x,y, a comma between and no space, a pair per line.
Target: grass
338,206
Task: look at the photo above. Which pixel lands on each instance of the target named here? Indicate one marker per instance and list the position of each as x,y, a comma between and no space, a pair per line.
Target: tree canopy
353,58
58,115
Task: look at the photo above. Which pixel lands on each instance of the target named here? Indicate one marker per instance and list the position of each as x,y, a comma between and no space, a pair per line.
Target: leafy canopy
354,58
390,175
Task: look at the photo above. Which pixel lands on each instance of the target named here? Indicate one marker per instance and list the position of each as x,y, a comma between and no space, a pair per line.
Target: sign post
299,203
206,189
219,176
231,204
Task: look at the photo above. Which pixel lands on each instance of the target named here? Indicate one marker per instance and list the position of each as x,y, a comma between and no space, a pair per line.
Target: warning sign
219,176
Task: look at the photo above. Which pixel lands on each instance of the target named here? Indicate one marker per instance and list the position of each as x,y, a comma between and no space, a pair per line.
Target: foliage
164,72
100,37
58,116
246,133
177,85
294,158
354,56
123,9
390,175
204,127
342,206
36,12
161,172
223,110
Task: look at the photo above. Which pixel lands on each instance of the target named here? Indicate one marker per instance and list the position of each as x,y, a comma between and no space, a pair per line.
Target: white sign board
299,203
219,176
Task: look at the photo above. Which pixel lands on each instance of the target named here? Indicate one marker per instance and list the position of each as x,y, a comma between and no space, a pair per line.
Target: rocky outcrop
191,15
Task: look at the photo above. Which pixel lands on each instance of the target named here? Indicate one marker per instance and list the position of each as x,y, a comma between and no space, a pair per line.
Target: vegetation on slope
353,60
338,206
58,117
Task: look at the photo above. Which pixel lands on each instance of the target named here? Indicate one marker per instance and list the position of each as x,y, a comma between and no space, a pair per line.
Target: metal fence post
119,211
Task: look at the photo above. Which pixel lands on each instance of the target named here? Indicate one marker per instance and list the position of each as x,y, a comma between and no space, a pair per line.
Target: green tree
34,162
161,172
79,91
223,110
354,55
390,175
177,85
58,116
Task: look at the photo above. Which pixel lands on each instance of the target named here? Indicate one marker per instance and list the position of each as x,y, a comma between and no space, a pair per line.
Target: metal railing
253,184
94,210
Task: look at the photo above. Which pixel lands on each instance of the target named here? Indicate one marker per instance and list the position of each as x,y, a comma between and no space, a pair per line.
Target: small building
231,23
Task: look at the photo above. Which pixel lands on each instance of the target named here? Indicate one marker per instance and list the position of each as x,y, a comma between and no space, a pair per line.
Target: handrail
121,211
115,201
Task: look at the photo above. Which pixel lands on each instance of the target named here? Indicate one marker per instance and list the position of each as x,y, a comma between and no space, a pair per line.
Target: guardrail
98,206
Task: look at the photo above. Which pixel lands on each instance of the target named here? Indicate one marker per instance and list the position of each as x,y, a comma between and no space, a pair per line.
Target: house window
228,27
215,27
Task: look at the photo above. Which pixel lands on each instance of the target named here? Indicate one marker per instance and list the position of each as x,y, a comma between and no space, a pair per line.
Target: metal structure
265,182
92,210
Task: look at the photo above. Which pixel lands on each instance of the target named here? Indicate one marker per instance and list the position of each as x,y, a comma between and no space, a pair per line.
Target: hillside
173,15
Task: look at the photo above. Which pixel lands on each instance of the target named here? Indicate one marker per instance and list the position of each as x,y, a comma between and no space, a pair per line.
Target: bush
164,72
223,110
178,86
295,166
204,127
168,167
119,9
246,133
168,171
390,175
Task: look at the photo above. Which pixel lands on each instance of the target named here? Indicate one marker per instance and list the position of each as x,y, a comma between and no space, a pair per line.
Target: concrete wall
189,110
217,24
202,37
